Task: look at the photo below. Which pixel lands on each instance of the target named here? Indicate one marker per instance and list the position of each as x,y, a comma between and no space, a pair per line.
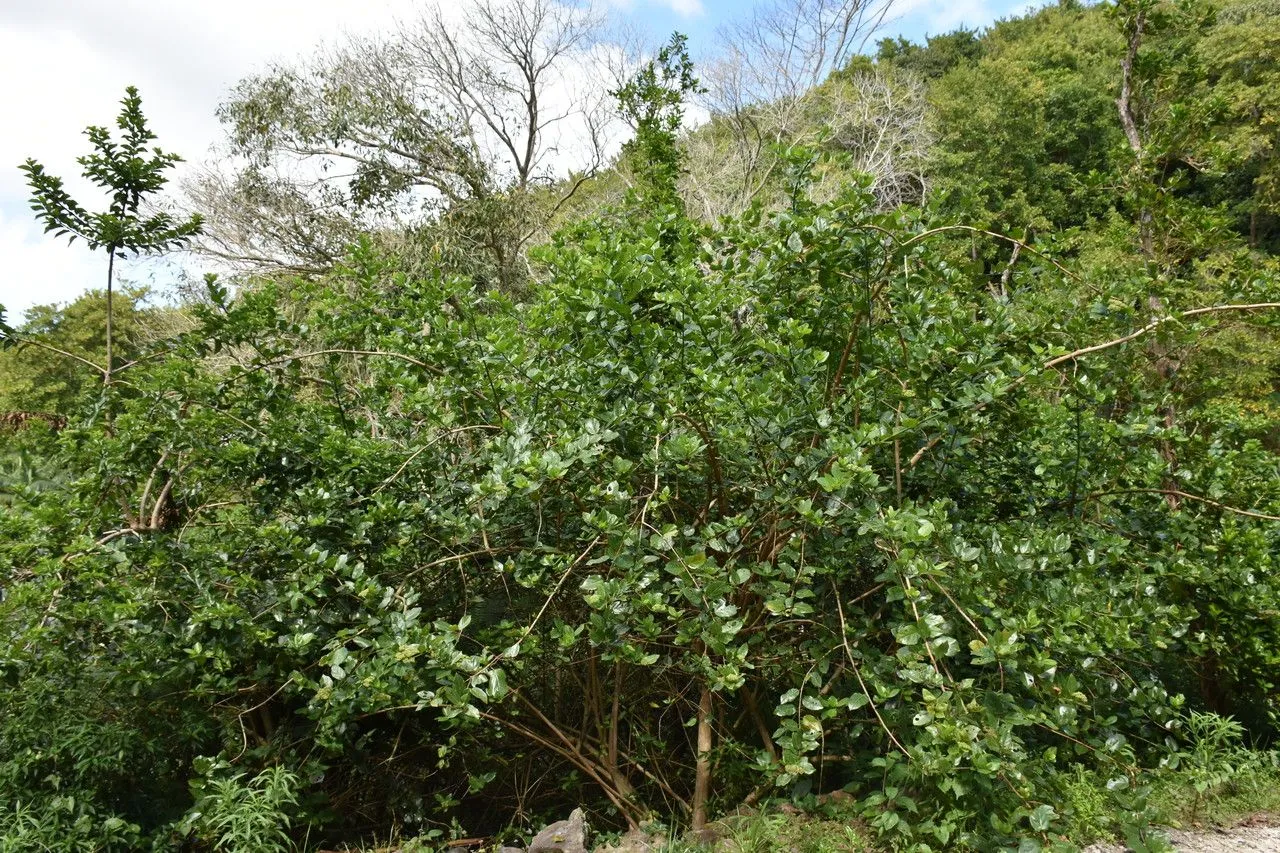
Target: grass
762,831
780,833
1213,780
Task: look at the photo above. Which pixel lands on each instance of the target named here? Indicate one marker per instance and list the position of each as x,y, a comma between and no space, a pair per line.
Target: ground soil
1258,835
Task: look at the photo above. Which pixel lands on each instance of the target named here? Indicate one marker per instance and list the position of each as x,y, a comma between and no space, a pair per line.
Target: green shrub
241,814
790,504
1212,777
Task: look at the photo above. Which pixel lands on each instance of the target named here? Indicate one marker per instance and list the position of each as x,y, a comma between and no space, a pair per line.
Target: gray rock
510,850
563,836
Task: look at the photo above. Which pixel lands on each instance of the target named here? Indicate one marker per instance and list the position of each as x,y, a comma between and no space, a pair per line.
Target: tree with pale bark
489,121
785,78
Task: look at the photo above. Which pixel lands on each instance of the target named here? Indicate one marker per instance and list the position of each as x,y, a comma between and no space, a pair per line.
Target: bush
788,505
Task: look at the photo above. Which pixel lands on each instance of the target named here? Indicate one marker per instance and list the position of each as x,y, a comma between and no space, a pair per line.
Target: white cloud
39,270
934,17
684,8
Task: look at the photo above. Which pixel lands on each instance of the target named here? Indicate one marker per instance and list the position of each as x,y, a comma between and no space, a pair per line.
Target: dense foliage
820,496
53,366
1041,90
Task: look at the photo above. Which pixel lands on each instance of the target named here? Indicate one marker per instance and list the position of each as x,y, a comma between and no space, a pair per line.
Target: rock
563,836
510,850
839,797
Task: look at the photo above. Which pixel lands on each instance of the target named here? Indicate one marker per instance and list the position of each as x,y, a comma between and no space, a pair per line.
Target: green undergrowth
1213,778
1210,779
1219,780
823,496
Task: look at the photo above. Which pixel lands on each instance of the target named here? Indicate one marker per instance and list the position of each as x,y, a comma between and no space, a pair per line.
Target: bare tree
787,47
444,117
761,92
876,120
879,119
507,71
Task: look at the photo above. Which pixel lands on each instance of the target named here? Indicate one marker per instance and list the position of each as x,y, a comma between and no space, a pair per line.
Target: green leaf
1041,816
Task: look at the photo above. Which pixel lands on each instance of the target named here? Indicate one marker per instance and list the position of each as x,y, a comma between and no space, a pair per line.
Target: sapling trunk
702,772
111,263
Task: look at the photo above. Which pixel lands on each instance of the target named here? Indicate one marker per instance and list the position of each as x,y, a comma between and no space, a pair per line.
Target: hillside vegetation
909,429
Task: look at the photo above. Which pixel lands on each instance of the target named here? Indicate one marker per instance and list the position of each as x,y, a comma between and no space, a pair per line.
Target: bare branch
31,342
1188,496
787,47
1155,324
875,121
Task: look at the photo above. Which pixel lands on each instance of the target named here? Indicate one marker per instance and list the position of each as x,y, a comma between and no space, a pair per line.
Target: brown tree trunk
702,772
1130,123
1166,366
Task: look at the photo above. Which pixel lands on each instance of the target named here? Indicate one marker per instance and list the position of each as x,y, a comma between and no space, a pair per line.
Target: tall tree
475,118
123,169
653,101
1025,118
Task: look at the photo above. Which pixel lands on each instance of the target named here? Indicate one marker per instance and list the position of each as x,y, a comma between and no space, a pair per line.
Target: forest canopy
910,428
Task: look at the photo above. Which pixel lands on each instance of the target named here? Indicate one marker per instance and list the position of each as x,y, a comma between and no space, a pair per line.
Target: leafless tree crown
773,86
506,73
787,47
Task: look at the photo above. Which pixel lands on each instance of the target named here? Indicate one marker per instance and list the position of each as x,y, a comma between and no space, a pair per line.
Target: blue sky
184,56
914,19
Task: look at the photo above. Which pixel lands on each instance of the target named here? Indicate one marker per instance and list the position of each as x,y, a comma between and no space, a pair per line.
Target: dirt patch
1246,838
1254,836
